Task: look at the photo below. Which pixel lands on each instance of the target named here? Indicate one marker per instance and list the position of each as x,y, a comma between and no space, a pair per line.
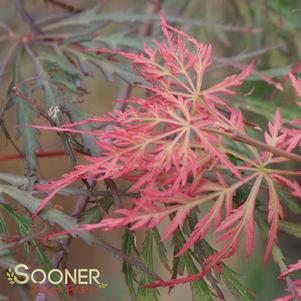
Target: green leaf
50,214
127,268
61,81
274,72
83,35
146,294
27,134
266,109
51,96
230,278
91,216
161,248
91,16
52,100
123,70
178,262
227,275
59,61
6,260
89,141
82,61
199,288
117,41
3,228
84,18
25,116
291,228
24,225
291,203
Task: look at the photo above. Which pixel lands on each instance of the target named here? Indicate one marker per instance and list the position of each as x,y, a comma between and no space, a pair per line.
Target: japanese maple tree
195,170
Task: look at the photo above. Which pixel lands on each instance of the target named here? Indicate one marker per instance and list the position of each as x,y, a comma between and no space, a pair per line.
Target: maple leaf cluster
177,149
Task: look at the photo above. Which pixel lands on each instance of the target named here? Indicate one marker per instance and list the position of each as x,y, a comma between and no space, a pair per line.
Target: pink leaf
296,84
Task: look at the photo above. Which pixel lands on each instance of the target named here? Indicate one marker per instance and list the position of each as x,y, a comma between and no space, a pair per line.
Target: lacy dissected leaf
25,116
161,248
140,146
127,269
177,66
230,278
91,215
25,226
91,16
199,288
3,227
236,221
173,148
143,293
296,84
52,98
27,134
136,145
117,41
52,215
170,109
291,228
109,69
58,61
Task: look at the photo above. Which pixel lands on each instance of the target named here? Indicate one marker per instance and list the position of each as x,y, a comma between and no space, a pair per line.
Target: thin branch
5,27
237,136
154,8
7,57
27,17
68,7
20,241
83,200
5,61
19,181
10,139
